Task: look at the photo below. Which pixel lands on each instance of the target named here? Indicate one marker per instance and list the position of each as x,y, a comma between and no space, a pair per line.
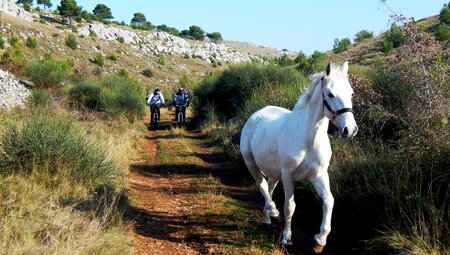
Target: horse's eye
330,94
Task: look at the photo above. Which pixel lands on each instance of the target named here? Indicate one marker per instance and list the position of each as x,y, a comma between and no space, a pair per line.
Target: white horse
278,144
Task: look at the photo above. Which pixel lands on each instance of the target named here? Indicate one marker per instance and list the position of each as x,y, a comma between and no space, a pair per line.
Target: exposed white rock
162,42
11,8
13,91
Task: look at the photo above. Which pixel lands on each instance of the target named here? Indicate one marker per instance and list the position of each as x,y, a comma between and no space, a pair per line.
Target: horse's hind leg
270,209
322,186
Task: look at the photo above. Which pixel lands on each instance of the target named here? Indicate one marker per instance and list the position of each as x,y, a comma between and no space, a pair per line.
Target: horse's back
259,138
263,118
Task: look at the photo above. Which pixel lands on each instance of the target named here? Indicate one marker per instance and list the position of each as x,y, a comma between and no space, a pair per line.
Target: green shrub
363,35
442,32
48,72
14,41
444,15
161,59
71,42
121,39
394,37
92,33
284,60
388,46
31,42
231,89
51,143
14,54
341,45
313,64
113,57
85,94
2,42
122,95
123,72
41,98
99,59
27,7
148,73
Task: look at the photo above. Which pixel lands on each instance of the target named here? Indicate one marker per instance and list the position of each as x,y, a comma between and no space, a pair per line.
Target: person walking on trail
155,100
181,98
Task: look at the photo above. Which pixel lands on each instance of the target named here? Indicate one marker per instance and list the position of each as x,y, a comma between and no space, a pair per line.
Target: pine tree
46,3
103,12
69,9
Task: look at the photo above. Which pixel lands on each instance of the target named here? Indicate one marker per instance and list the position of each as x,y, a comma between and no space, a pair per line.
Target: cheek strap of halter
335,113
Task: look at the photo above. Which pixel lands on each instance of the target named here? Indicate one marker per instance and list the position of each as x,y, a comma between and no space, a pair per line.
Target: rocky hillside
165,58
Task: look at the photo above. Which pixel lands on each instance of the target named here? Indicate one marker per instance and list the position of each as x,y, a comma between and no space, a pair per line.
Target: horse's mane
305,97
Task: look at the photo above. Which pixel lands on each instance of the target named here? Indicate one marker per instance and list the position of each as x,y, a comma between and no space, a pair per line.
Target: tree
29,2
103,12
170,30
138,19
444,15
69,9
196,33
362,35
395,36
341,45
185,33
45,3
309,65
214,36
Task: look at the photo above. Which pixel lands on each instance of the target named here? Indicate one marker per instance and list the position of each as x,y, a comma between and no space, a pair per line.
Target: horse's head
337,99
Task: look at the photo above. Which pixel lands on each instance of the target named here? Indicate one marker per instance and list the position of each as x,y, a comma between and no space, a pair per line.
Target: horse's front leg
322,186
289,206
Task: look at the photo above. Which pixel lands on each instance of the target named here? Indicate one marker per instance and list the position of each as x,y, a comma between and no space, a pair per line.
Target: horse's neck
312,114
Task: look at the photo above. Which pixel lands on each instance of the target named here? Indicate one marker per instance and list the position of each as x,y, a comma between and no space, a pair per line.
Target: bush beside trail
61,179
114,95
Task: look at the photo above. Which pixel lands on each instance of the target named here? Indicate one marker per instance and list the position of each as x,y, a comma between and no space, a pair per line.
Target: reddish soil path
160,220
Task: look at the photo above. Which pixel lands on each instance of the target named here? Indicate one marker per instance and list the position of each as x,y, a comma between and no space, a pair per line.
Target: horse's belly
269,166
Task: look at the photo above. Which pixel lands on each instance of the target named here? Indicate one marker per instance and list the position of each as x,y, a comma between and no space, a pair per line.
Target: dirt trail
161,195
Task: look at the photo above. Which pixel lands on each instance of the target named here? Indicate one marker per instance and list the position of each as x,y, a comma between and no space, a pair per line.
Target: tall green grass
123,95
62,184
231,89
115,95
58,147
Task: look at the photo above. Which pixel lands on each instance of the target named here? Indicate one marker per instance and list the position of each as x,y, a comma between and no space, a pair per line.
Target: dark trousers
183,110
152,110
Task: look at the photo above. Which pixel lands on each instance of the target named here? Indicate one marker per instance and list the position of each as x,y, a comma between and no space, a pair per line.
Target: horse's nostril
345,131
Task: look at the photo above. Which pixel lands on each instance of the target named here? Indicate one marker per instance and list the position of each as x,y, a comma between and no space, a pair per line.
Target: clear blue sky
296,25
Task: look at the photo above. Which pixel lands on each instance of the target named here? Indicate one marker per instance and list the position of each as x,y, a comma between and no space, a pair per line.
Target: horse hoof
318,248
286,242
287,246
277,219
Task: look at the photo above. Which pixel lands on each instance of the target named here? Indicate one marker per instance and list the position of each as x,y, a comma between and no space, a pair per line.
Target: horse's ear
344,67
328,69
